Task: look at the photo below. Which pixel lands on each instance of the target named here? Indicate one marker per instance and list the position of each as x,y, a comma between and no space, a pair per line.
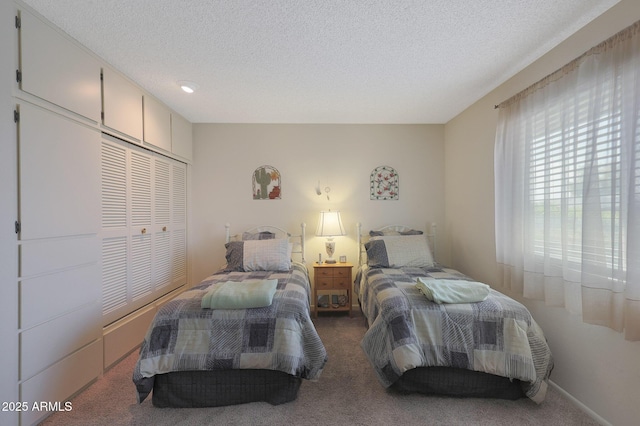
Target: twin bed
257,350
480,343
195,356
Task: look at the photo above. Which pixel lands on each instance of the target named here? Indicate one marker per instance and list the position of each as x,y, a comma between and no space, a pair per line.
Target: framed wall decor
266,183
385,183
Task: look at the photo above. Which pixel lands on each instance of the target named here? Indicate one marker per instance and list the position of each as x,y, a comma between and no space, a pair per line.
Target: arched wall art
266,183
384,183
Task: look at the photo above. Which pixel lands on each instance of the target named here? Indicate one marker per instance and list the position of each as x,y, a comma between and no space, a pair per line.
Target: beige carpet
348,393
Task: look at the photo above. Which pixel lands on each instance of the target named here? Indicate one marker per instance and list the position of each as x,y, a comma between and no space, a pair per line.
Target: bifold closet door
115,229
143,227
161,276
178,224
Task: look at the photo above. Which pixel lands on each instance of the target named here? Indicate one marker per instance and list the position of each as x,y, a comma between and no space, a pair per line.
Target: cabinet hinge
102,115
16,116
101,76
18,76
18,227
18,22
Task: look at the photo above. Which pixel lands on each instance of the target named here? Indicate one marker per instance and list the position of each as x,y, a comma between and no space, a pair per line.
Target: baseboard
580,405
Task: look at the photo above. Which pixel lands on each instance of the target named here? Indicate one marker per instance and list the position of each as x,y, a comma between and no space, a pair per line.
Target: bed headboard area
392,230
271,232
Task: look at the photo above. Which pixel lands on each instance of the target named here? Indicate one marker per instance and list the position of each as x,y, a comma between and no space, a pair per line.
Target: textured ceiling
320,61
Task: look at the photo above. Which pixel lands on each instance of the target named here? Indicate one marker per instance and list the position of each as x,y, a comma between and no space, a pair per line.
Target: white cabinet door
53,340
59,175
157,124
61,380
122,104
57,70
181,137
59,200
67,277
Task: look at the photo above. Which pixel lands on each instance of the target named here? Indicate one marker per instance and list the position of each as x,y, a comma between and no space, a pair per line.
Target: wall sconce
330,225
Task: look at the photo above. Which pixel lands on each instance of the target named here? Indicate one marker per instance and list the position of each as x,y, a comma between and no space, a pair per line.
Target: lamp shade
330,225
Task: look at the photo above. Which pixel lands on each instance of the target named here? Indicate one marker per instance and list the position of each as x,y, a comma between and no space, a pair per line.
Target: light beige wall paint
339,156
593,364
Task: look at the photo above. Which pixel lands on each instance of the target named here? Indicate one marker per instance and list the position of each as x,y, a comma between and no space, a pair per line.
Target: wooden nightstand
332,276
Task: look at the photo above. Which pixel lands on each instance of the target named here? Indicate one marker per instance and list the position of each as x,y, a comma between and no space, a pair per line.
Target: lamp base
330,246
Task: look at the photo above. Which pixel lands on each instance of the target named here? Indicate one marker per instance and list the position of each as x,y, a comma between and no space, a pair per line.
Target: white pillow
266,255
399,251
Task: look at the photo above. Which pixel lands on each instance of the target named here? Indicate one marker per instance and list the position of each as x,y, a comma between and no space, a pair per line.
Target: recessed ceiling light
188,86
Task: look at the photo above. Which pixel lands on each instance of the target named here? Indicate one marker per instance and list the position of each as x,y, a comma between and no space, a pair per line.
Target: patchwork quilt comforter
183,336
496,336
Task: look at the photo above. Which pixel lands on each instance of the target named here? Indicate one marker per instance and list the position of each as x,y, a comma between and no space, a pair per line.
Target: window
556,171
568,186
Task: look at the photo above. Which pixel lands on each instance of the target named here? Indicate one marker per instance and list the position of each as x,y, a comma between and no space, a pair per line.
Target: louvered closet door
179,224
144,244
162,223
169,217
141,230
115,230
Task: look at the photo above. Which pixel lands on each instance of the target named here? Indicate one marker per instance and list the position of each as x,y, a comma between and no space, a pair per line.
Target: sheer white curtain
567,180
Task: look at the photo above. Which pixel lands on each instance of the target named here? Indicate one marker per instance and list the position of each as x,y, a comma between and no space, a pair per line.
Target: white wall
594,364
8,214
339,156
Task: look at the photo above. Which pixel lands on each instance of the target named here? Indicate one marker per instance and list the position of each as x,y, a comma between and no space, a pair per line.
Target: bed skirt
458,382
190,389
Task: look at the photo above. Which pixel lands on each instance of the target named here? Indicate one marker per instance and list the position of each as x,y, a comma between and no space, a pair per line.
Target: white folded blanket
240,294
453,291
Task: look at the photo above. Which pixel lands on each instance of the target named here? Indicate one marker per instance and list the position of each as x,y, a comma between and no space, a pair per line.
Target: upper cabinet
58,160
57,70
157,124
122,105
181,137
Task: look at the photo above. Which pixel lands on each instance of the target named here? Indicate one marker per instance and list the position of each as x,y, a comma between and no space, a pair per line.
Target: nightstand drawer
342,272
332,283
324,283
341,283
324,272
